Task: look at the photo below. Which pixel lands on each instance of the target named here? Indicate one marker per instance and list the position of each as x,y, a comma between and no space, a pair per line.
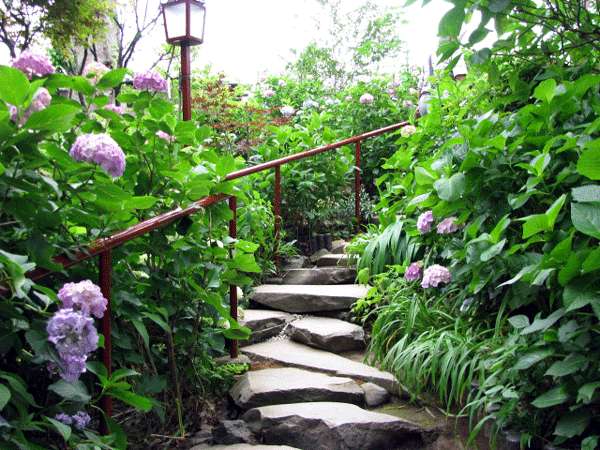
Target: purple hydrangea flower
94,71
366,98
74,336
435,275
84,297
82,419
64,418
391,91
100,149
269,93
118,109
424,221
32,63
457,134
287,111
41,99
348,98
447,225
414,271
149,81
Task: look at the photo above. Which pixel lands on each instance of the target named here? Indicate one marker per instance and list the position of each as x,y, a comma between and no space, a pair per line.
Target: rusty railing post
105,274
233,300
277,214
357,184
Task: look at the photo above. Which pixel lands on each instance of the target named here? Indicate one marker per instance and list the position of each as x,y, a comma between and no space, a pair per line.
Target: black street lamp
179,16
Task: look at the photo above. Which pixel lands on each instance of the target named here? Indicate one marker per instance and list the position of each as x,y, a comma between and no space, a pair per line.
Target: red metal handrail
102,247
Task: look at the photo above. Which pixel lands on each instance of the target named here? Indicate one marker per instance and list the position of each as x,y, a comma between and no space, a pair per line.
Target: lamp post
179,15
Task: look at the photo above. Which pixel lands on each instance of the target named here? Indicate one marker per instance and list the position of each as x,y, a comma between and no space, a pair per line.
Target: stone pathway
310,395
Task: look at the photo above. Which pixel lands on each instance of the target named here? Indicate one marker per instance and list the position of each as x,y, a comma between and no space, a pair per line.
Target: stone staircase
309,388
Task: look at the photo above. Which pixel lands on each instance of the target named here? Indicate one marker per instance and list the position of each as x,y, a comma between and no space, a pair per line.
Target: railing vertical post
105,274
277,213
233,300
357,184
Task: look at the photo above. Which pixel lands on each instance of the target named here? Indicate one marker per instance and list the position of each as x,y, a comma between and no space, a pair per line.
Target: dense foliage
486,265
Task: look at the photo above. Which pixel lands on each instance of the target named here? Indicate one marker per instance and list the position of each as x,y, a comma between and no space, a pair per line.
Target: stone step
290,385
296,298
293,354
264,324
320,275
332,426
333,259
243,447
333,335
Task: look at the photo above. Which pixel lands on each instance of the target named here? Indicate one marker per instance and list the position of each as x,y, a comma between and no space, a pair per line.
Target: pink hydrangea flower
413,272
269,93
84,297
348,98
99,149
167,137
32,63
412,91
424,221
94,71
391,91
434,275
149,81
118,109
281,82
41,99
447,225
366,98
408,130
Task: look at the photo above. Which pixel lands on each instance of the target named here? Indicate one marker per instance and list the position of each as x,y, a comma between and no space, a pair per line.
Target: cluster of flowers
287,111
99,149
71,329
80,419
366,98
166,136
434,274
149,81
41,99
32,63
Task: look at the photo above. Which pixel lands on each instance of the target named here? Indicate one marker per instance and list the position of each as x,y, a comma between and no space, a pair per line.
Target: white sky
246,38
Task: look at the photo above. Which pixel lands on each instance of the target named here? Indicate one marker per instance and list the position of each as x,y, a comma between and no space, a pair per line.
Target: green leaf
590,443
498,6
64,430
535,224
562,250
553,397
141,329
590,194
493,251
580,292
570,270
586,392
55,118
572,363
545,90
423,177
451,189
533,357
589,163
83,86
592,262
539,324
14,88
111,79
519,321
74,391
573,423
133,399
4,396
451,23
480,57
141,202
586,218
237,333
120,442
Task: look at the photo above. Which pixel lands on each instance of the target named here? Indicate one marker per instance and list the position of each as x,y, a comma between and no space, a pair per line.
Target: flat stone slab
264,324
293,354
341,260
333,335
320,275
290,385
243,447
332,426
295,298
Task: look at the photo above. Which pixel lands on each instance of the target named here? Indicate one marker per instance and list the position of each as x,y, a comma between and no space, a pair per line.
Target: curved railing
102,247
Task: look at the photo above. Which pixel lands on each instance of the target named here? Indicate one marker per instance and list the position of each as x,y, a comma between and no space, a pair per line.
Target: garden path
308,387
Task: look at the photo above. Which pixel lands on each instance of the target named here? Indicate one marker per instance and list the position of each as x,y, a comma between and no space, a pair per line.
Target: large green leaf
74,391
452,22
573,423
586,218
451,189
545,90
533,357
572,363
497,6
14,87
53,118
553,397
589,193
111,79
4,396
589,163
